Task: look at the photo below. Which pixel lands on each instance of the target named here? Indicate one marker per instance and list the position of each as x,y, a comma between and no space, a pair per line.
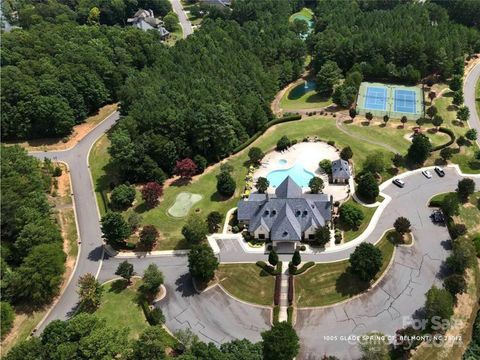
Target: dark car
399,182
437,217
439,171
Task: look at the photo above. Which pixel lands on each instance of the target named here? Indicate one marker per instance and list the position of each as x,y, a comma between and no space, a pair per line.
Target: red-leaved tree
151,192
185,168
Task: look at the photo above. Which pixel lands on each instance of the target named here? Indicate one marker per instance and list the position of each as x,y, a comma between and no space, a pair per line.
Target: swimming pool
297,172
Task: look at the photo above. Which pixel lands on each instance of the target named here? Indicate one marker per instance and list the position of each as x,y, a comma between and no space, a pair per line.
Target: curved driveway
470,98
182,18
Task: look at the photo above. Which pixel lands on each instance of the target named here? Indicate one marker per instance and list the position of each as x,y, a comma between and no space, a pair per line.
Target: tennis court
404,101
395,101
376,98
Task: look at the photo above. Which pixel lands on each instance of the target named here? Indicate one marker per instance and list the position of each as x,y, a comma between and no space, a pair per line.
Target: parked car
437,217
439,171
399,182
427,174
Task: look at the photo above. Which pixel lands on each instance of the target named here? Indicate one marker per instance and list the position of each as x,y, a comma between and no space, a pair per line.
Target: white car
427,174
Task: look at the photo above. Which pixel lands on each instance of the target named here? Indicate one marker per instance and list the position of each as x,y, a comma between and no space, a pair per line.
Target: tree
26,350
456,83
152,279
90,293
446,153
463,113
439,305
125,270
148,236
185,168
322,235
432,111
402,225
273,258
7,315
463,256
327,77
374,163
385,119
283,143
151,192
369,116
437,121
226,184
170,21
122,196
202,263
316,185
471,134
457,98
367,186
403,120
420,149
366,261
455,284
465,188
201,163
326,166
351,215
420,121
187,338
214,219
374,346
37,280
296,258
346,154
150,345
195,229
115,229
280,342
262,184
450,205
398,160
94,16
352,113
255,155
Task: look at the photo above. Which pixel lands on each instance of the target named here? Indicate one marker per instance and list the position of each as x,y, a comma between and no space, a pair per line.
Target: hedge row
291,287
276,313
304,268
154,316
268,268
290,315
435,203
278,289
264,128
448,143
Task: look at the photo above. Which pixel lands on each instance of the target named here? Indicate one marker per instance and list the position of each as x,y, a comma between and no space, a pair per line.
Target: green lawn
206,185
329,283
305,13
437,138
120,309
247,282
349,233
477,96
466,154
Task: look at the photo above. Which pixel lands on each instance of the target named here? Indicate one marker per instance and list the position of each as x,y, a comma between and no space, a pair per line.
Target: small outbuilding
340,171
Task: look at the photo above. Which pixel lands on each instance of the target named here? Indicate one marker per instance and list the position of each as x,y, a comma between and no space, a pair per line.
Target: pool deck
309,154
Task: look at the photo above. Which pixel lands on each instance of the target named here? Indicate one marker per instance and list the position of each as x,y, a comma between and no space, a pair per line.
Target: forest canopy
404,43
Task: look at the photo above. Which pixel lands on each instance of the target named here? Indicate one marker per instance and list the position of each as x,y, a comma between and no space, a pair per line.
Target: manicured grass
470,215
350,234
305,12
464,157
437,138
120,309
247,282
309,100
329,283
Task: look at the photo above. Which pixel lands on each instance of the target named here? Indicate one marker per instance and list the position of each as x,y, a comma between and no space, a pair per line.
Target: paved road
212,315
182,17
91,248
469,93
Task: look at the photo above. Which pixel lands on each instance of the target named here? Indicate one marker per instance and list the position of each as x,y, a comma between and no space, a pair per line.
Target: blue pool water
297,172
298,91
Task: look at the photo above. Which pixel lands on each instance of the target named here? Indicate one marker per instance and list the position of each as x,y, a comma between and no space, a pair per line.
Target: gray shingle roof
285,217
340,169
288,189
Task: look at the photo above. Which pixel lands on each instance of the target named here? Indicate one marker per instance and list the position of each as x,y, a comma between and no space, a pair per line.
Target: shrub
457,230
278,285
476,244
7,316
304,268
57,171
303,248
290,289
367,186
201,163
151,191
351,215
226,184
455,284
214,220
122,196
326,165
148,236
346,153
465,188
273,258
275,314
296,258
331,142
283,143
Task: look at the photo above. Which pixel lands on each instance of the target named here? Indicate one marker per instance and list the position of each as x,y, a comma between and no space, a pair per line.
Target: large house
340,171
145,20
286,217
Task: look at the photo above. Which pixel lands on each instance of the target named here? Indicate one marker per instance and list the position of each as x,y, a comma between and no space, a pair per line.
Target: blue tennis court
404,101
376,98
